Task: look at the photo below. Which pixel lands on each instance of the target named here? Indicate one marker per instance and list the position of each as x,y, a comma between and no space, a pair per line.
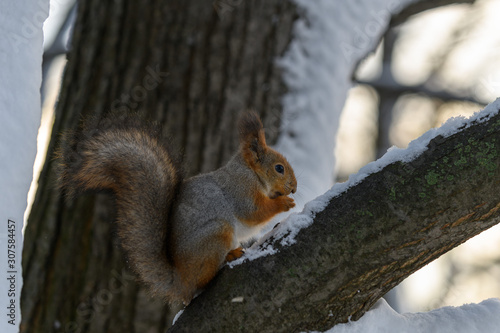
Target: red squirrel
175,232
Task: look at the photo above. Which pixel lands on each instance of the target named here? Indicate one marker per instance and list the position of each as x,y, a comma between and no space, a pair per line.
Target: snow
177,316
20,67
470,318
58,12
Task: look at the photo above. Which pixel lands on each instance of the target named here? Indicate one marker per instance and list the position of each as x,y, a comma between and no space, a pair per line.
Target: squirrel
177,233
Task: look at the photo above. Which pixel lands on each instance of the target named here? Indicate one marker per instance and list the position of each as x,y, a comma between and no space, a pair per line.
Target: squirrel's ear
252,138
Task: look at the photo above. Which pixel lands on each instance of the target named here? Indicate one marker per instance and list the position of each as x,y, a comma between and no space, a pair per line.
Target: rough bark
365,242
181,63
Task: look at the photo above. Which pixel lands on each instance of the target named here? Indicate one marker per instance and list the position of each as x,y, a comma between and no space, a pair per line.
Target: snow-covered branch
367,235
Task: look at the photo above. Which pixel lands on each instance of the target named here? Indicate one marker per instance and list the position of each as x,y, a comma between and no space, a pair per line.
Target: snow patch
177,316
470,318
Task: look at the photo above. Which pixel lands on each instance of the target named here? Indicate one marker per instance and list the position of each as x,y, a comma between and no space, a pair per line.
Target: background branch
390,86
421,6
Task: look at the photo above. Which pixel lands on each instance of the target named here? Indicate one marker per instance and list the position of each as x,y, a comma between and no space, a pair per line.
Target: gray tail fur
130,159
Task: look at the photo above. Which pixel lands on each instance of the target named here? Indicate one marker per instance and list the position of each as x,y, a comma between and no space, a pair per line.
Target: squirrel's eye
279,168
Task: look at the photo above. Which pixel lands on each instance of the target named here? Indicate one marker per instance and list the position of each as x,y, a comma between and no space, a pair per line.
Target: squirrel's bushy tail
131,160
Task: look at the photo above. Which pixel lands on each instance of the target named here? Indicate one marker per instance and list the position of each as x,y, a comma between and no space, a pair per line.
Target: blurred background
439,64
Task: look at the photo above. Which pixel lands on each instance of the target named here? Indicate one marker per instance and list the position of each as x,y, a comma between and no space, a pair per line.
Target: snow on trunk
20,71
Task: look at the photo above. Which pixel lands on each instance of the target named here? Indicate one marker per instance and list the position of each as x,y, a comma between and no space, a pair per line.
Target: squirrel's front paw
235,254
288,203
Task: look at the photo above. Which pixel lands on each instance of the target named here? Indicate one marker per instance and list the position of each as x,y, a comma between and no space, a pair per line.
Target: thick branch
365,242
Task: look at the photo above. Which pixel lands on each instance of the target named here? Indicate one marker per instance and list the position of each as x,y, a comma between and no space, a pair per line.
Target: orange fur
267,208
198,269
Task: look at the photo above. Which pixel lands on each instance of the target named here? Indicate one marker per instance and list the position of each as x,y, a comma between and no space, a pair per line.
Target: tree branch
365,242
421,6
391,86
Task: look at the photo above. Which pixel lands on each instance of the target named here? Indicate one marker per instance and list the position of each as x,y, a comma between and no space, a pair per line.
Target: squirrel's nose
294,189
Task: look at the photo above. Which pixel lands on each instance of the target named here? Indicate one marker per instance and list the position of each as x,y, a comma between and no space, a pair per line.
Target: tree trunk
186,64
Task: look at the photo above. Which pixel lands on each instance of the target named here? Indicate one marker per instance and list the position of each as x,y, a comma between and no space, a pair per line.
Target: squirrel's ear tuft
252,138
250,127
